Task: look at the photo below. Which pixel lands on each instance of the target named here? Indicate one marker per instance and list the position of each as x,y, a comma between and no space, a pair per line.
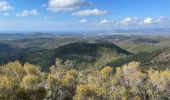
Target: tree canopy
129,82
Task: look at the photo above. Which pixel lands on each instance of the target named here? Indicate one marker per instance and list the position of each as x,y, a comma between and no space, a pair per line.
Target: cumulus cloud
136,22
126,21
148,21
129,21
159,21
5,6
83,21
88,12
156,21
64,5
27,13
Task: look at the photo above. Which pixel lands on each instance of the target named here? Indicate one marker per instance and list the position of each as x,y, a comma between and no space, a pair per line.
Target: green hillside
160,57
84,54
80,54
144,44
94,53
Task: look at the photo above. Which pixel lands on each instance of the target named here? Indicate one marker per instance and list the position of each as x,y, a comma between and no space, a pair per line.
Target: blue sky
65,15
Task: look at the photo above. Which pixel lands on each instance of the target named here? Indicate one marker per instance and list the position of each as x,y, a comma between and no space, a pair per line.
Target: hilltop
80,54
84,54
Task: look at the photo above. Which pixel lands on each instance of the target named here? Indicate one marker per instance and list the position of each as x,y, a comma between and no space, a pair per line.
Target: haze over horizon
77,15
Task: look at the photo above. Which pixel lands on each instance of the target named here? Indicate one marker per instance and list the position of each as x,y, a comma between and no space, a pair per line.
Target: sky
75,15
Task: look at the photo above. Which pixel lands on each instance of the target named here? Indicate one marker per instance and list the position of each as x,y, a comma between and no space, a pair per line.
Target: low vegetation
129,82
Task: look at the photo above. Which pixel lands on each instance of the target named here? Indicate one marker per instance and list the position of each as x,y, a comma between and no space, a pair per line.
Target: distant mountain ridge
145,31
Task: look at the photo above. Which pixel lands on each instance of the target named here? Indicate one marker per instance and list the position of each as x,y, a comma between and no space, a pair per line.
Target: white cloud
156,21
83,21
5,14
129,21
5,6
136,22
126,21
64,5
88,12
27,13
105,21
162,19
148,21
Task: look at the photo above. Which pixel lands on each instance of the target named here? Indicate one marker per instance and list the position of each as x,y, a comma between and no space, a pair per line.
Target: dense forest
129,82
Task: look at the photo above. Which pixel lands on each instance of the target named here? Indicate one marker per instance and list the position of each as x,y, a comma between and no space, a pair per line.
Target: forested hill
83,54
80,54
158,59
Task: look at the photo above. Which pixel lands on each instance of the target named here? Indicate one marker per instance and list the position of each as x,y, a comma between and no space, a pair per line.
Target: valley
84,51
